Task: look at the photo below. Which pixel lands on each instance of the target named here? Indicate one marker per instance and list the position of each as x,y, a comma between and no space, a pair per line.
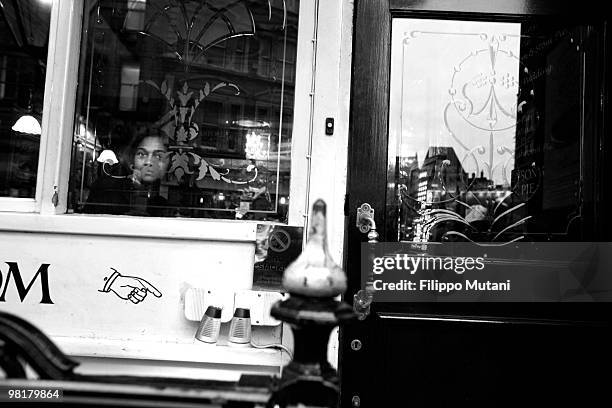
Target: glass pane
185,108
485,119
24,40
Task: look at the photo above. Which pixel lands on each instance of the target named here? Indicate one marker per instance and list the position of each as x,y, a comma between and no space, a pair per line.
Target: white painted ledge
105,366
130,226
194,352
25,205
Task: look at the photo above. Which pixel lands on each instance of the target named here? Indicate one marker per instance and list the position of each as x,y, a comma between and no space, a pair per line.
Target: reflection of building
434,184
408,173
441,183
441,175
444,173
483,191
440,178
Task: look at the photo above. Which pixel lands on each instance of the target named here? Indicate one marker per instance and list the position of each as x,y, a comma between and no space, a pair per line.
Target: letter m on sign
43,272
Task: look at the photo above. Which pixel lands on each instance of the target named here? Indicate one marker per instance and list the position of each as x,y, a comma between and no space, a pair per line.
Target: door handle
367,225
361,303
365,222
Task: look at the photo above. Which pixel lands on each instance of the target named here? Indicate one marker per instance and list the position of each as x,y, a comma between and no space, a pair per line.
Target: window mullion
59,106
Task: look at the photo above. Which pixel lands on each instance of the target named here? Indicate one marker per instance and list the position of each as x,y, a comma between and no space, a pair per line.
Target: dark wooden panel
511,7
366,173
369,119
604,198
443,364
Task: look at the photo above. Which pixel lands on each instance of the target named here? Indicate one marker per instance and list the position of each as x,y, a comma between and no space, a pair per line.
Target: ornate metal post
313,281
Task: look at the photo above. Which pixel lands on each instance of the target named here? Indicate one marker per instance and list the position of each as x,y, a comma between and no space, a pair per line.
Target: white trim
195,351
58,112
301,113
26,205
33,204
168,369
44,137
130,226
329,153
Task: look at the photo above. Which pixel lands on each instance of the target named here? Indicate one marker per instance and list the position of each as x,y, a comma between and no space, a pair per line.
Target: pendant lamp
28,123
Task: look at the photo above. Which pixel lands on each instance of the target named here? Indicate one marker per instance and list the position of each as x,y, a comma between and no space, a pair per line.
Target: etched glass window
24,40
485,123
203,91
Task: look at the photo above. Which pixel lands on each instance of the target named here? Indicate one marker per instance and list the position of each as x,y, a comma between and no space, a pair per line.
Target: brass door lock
365,222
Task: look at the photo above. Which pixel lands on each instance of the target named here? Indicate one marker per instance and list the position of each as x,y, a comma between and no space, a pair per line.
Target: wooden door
410,61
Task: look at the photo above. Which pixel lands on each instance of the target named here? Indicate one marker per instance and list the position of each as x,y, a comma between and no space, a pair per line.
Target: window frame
47,212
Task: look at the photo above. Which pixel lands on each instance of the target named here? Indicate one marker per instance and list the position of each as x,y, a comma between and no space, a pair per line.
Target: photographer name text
434,285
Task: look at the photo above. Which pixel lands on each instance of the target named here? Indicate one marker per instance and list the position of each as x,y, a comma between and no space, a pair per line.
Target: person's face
150,159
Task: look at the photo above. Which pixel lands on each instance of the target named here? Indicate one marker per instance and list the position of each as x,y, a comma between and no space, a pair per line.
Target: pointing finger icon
146,285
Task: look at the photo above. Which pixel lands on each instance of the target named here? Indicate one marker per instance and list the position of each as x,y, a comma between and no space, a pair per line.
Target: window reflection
486,120
213,79
24,38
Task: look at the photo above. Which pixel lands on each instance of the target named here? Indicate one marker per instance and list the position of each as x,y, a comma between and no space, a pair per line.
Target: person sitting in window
137,193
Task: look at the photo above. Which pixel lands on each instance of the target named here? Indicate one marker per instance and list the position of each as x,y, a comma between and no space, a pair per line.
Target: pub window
24,40
185,138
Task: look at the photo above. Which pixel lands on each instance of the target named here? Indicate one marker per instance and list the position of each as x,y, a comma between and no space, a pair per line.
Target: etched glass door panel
485,131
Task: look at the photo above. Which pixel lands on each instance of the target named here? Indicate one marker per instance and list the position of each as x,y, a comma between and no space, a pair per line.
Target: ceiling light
27,124
107,156
252,123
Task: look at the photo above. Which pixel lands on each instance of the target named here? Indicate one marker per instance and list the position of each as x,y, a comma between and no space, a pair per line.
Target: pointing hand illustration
130,288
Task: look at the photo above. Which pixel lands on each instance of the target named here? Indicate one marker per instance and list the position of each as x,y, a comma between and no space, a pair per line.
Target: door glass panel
485,131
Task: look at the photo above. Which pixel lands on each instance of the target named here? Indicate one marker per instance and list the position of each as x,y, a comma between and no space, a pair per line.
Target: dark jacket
121,196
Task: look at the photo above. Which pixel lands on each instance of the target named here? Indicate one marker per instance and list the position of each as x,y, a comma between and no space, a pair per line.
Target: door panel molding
488,320
497,7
